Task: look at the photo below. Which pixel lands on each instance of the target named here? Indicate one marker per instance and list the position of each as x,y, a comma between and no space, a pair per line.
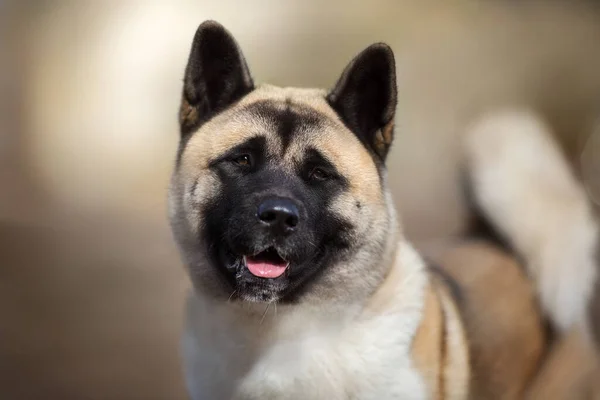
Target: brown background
91,286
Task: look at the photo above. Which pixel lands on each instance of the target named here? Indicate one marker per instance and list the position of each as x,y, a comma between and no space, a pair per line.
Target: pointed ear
365,97
216,76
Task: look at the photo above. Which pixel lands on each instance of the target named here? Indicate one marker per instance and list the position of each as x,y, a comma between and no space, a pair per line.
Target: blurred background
91,286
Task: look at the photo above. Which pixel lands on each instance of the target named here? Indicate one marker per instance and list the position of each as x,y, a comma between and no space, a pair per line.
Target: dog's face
278,193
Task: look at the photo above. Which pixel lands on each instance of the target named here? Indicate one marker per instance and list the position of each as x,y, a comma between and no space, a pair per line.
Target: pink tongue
264,269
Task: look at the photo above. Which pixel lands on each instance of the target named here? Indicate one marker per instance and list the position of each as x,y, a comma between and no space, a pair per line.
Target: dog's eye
318,174
244,160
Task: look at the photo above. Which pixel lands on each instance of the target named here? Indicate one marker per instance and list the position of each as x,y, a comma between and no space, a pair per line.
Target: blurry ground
90,284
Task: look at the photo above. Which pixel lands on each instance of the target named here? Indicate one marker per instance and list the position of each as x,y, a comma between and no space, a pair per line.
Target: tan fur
335,141
456,368
501,319
571,371
384,137
188,115
429,345
440,349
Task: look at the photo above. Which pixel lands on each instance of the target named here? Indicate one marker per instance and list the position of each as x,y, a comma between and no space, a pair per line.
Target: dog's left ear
365,97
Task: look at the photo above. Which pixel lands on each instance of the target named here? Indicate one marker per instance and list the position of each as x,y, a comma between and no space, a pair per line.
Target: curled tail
522,186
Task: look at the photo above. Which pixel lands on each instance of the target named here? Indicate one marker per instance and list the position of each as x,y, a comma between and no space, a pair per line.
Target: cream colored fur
526,187
316,352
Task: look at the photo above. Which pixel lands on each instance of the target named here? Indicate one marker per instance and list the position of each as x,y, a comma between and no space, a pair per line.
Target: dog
304,286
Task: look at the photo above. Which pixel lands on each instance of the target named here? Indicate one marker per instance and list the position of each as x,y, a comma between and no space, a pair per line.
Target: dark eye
318,174
243,160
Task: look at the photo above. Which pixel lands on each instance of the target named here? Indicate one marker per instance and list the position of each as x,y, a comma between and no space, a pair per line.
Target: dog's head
279,193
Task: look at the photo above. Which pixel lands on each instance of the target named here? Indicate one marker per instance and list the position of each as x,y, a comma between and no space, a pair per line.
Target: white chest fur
307,352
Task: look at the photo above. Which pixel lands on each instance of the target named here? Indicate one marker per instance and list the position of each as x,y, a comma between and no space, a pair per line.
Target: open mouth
266,264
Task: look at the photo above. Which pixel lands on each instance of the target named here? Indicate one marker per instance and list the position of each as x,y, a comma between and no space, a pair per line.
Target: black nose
279,213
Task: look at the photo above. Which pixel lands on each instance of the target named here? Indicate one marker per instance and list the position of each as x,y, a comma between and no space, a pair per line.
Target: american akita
304,286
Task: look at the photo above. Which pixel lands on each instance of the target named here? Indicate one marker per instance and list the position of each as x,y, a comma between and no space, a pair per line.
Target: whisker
231,295
265,313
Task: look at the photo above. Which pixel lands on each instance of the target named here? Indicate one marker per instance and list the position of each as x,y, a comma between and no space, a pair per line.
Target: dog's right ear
216,76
